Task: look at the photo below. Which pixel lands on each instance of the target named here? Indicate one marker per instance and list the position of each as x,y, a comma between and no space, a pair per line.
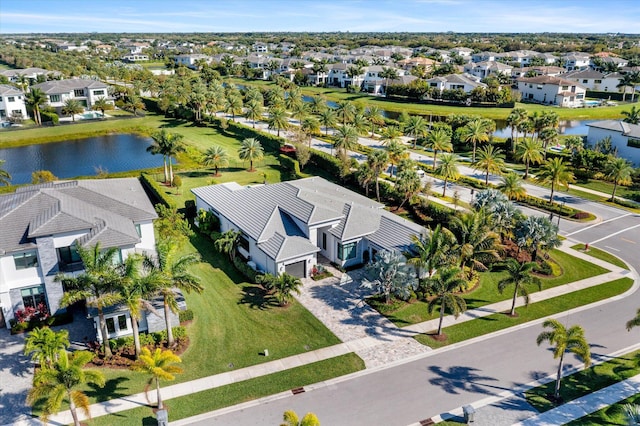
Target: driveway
16,372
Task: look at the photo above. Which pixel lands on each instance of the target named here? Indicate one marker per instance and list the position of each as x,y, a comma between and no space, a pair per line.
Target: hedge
186,315
291,165
156,190
325,162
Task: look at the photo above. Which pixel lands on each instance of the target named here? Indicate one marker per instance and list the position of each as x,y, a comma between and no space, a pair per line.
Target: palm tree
35,98
72,107
345,138
310,126
253,111
632,116
318,104
361,123
554,172
97,285
625,81
530,152
345,111
439,140
133,103
391,134
251,150
278,119
233,104
61,382
365,176
377,161
431,249
414,128
515,119
565,340
634,322
159,146
159,365
511,186
619,171
388,74
548,135
283,286
375,118
490,160
216,157
5,177
448,169
45,345
397,152
520,277
173,146
443,286
407,185
101,104
227,243
328,118
474,132
291,419
171,273
477,244
293,99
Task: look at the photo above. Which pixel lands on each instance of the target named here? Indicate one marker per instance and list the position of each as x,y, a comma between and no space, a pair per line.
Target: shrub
580,215
241,266
186,315
156,190
49,117
544,268
190,209
326,162
290,165
627,203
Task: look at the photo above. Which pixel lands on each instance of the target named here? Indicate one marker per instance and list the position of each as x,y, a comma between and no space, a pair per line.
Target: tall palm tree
365,176
278,119
530,152
565,340
511,186
431,249
173,146
397,152
407,185
293,100
474,132
159,146
97,285
345,110
283,286
515,119
172,274
632,116
159,365
388,74
443,285
476,243
5,177
520,277
619,171
361,123
415,128
548,136
46,345
233,104
35,99
391,134
251,150
555,172
72,107
439,140
490,160
625,81
216,157
61,382
447,169
345,138
253,111
134,104
310,126
377,160
375,118
328,118
102,104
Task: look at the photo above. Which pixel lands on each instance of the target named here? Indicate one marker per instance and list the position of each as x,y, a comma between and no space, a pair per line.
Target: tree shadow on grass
112,389
256,297
199,173
205,247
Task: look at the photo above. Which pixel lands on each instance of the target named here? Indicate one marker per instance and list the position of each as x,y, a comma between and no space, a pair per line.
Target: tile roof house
285,226
552,91
487,68
454,82
85,91
12,103
625,137
41,224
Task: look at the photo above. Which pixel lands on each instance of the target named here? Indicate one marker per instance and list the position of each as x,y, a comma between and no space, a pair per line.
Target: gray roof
588,73
7,90
626,129
107,209
65,86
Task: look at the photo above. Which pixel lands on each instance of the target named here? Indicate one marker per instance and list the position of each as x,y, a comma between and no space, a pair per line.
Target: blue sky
593,16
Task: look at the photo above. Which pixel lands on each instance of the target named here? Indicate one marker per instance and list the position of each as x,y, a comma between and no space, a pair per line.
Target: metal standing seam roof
7,90
65,86
626,129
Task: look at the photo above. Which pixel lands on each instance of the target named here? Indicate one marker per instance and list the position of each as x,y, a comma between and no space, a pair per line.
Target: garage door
296,269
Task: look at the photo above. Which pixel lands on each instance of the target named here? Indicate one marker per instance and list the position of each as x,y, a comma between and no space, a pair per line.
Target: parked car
288,148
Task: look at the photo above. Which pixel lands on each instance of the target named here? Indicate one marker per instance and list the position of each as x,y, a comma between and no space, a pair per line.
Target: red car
287,148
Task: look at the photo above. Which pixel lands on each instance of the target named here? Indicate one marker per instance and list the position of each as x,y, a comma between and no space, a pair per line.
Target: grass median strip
600,254
500,321
225,396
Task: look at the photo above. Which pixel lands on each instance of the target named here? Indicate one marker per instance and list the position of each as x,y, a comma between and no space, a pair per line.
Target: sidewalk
358,345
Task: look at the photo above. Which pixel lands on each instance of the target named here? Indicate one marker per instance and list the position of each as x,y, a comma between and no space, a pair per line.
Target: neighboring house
485,56
410,63
576,61
463,52
618,62
454,82
373,82
625,137
260,47
12,103
191,60
134,57
30,73
552,91
338,76
85,91
41,224
487,68
538,70
286,226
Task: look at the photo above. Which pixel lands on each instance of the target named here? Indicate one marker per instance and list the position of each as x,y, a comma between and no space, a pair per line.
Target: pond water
81,157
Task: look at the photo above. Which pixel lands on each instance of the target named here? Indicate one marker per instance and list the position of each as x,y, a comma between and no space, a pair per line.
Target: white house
487,68
85,91
373,82
191,60
338,76
135,57
42,224
32,74
284,226
576,61
454,82
12,103
552,91
625,137
485,56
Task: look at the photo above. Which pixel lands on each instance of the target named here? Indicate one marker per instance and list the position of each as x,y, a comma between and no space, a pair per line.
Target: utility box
163,417
469,414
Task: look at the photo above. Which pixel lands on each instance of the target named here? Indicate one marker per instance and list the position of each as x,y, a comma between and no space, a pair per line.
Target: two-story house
576,61
625,138
85,91
12,103
454,82
42,224
552,91
487,68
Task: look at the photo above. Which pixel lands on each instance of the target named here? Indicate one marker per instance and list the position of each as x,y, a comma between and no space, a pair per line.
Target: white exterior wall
310,261
543,93
147,236
617,140
11,278
9,107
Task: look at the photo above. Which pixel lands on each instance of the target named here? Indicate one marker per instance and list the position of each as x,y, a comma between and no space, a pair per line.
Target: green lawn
607,188
495,322
611,415
586,381
602,255
574,269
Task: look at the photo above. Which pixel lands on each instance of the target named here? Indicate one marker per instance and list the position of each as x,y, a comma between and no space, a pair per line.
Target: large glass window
54,98
78,93
243,242
27,259
68,257
33,296
117,324
111,325
122,322
98,92
347,251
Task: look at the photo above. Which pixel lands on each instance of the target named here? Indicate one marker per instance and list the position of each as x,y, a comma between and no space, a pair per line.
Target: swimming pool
91,115
591,103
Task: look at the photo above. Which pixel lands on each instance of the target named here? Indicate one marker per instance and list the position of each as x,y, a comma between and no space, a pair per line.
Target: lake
80,157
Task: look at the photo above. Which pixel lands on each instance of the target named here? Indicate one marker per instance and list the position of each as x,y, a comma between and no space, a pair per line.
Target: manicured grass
611,415
607,188
478,327
586,381
601,254
237,393
234,322
574,269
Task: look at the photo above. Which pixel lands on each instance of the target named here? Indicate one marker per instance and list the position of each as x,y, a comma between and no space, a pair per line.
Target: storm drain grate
296,391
